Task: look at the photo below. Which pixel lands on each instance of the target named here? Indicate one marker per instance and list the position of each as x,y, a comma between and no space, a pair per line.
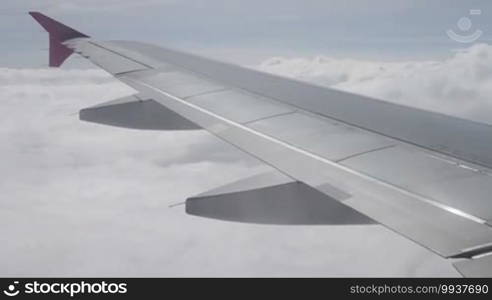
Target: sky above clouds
80,199
250,31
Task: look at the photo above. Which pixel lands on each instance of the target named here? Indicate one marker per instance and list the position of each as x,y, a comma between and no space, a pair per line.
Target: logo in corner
11,290
465,25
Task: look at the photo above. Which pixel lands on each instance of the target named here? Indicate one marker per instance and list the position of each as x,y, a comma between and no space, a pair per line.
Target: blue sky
249,31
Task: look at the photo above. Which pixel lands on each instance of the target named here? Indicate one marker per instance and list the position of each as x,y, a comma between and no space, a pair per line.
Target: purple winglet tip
58,34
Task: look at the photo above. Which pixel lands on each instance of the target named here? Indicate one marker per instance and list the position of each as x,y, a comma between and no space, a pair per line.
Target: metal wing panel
240,106
447,182
143,56
327,138
464,139
178,82
104,58
478,267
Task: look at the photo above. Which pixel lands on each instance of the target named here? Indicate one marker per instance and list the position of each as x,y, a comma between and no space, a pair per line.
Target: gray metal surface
142,57
105,59
463,139
239,106
478,267
327,138
178,82
444,181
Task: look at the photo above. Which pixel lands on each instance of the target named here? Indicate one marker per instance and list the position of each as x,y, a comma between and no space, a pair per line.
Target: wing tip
59,33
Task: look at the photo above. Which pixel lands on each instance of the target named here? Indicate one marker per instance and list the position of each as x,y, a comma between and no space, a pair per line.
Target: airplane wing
337,157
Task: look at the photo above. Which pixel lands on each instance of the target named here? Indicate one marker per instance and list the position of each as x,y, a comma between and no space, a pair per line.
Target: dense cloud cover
80,199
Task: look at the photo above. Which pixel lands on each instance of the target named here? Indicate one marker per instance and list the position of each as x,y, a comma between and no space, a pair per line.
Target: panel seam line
364,152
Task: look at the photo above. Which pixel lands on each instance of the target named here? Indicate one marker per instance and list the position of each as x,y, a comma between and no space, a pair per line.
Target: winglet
58,34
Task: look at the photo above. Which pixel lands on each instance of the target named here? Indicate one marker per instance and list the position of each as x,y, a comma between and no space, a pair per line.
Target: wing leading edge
341,158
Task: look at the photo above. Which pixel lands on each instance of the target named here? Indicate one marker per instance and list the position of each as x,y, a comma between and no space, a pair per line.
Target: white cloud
460,85
79,199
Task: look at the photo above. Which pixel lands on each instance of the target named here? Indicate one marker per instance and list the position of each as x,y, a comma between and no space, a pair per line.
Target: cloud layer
460,85
80,199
